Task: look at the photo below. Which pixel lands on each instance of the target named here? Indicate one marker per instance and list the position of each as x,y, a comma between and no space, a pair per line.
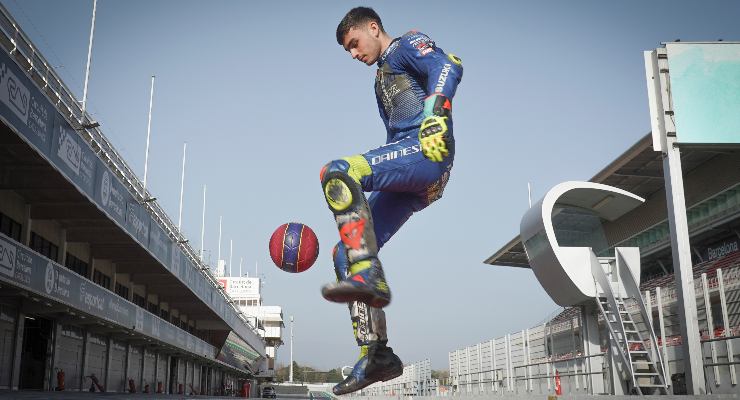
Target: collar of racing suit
394,44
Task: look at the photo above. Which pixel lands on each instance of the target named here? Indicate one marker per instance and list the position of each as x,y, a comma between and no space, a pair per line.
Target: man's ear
374,29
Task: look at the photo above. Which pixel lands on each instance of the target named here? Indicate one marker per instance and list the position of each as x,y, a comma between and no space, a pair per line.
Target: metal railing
18,45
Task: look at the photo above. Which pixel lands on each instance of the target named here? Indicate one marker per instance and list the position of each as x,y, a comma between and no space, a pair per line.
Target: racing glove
433,130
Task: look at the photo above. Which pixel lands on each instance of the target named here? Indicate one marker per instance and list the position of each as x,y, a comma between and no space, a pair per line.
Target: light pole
182,187
203,224
290,377
89,57
148,134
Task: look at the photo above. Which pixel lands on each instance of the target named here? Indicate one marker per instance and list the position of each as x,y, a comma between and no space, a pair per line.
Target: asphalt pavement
39,395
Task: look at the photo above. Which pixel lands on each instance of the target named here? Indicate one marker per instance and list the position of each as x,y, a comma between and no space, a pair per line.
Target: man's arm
442,73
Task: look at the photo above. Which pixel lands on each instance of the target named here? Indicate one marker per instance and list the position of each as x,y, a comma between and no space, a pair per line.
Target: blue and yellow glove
433,130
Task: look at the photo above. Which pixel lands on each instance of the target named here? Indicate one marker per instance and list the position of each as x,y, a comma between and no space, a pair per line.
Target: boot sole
387,377
348,294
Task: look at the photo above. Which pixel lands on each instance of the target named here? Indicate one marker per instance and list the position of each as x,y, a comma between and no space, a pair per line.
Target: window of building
76,265
153,308
164,314
101,279
139,300
10,228
122,290
44,247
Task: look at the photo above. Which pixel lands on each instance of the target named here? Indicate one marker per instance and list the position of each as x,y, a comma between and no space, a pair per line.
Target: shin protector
340,181
368,323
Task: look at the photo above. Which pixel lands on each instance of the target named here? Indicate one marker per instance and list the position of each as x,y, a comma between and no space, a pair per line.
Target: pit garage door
196,377
69,355
162,369
116,381
97,355
134,367
181,370
7,336
149,372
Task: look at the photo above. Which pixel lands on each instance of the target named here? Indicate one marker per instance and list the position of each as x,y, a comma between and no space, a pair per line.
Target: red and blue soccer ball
294,247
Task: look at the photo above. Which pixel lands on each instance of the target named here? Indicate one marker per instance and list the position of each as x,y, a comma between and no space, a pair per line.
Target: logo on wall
7,257
83,288
155,326
69,150
139,319
105,189
175,266
14,94
49,278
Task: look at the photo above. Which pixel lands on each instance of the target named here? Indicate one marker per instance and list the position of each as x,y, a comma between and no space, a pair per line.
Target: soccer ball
294,247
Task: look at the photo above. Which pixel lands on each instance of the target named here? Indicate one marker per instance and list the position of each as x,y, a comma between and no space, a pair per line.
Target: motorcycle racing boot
365,283
377,363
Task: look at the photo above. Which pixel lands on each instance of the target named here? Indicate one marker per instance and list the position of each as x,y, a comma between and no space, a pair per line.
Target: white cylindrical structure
148,134
218,260
231,253
89,58
290,377
203,224
182,185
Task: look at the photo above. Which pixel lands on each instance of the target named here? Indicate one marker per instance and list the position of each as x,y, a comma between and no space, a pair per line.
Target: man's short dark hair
355,18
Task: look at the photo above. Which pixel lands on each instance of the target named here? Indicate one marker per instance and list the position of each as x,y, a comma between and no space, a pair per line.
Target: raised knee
341,181
335,166
356,167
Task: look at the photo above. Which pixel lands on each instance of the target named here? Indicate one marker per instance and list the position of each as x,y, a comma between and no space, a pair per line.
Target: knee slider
340,180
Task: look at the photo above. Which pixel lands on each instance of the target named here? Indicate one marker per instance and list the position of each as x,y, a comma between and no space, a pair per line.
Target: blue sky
264,97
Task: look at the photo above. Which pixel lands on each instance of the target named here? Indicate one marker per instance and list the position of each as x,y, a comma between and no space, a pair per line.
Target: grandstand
526,362
95,279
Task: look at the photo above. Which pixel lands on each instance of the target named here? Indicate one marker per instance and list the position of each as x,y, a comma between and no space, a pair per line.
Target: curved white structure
565,272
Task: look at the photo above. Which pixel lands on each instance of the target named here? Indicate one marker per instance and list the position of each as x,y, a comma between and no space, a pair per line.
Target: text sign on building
721,249
240,287
705,91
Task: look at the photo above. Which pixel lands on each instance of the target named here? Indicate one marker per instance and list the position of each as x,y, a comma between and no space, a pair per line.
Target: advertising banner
240,287
137,221
718,250
112,196
159,244
25,268
73,156
24,107
238,353
705,90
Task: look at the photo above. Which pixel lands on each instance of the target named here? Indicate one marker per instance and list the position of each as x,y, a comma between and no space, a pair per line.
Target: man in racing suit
414,87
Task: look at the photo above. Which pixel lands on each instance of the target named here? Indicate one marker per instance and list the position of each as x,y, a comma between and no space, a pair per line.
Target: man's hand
433,138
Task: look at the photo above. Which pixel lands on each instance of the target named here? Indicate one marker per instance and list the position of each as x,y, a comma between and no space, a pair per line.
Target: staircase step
655,385
646,374
638,352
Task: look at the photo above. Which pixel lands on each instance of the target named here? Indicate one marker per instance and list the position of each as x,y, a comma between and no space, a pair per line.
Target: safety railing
18,45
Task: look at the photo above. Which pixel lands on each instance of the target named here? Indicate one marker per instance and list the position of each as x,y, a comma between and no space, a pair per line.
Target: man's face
363,43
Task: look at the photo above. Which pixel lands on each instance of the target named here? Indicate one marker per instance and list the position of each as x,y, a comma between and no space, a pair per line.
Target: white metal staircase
642,367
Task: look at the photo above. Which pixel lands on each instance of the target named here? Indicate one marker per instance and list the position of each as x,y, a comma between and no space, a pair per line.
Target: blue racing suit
403,180
414,77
